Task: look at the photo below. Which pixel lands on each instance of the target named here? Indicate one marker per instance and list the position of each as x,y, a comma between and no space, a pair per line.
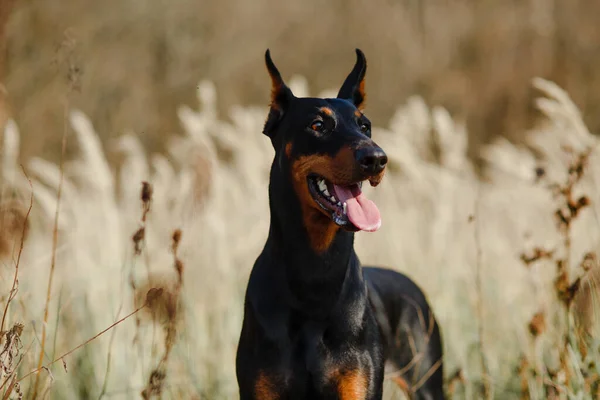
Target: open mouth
347,205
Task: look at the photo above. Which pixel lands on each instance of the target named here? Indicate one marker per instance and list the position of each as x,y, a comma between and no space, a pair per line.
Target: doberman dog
316,324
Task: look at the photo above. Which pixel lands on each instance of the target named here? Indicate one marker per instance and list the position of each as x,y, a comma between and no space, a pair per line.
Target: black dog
316,324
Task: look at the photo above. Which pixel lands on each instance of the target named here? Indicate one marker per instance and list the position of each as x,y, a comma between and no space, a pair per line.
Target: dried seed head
146,197
537,324
18,329
176,239
540,172
162,296
538,254
576,169
9,356
155,383
146,192
565,291
137,238
583,201
153,295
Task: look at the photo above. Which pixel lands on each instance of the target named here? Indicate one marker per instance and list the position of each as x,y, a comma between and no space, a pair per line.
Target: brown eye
364,128
317,126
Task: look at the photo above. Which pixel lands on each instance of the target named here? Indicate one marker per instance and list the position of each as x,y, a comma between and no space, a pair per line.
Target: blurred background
489,200
131,62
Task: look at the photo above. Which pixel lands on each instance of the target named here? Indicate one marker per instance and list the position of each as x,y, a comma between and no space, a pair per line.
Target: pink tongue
362,212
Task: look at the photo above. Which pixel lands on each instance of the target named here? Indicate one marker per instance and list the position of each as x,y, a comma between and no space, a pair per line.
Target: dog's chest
315,368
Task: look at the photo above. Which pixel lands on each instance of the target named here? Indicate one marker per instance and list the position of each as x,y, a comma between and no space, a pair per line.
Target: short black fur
318,325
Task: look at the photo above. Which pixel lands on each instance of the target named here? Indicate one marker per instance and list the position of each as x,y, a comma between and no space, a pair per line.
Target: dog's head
326,146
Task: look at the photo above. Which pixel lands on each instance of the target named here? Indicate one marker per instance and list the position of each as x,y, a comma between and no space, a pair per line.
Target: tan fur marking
326,111
357,114
361,89
339,169
321,230
376,180
288,149
276,87
352,385
264,388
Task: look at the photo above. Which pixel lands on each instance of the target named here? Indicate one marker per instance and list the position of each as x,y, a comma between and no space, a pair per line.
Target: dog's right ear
281,96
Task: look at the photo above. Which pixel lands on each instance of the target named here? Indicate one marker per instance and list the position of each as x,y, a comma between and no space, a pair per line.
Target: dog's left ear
353,88
281,96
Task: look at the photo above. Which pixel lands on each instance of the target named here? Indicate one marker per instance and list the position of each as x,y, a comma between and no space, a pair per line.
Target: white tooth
332,199
345,206
326,192
322,185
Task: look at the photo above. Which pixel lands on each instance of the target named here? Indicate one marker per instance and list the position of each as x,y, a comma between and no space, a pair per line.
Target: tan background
135,62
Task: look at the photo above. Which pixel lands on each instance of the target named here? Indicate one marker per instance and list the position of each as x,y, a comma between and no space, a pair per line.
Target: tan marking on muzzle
376,179
340,170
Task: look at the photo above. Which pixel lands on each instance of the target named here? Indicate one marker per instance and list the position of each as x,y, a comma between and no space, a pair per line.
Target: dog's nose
372,160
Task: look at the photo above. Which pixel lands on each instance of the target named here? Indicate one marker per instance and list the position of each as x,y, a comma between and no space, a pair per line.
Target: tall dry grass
443,224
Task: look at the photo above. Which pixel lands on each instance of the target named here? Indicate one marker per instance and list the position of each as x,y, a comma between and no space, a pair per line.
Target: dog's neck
314,278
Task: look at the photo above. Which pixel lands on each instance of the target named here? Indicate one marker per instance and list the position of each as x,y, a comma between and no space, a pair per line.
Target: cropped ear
353,88
281,96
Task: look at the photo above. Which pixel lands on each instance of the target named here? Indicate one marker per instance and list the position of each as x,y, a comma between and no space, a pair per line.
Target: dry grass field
131,211
496,261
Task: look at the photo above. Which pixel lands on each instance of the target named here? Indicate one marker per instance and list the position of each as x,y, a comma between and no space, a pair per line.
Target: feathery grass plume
560,377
